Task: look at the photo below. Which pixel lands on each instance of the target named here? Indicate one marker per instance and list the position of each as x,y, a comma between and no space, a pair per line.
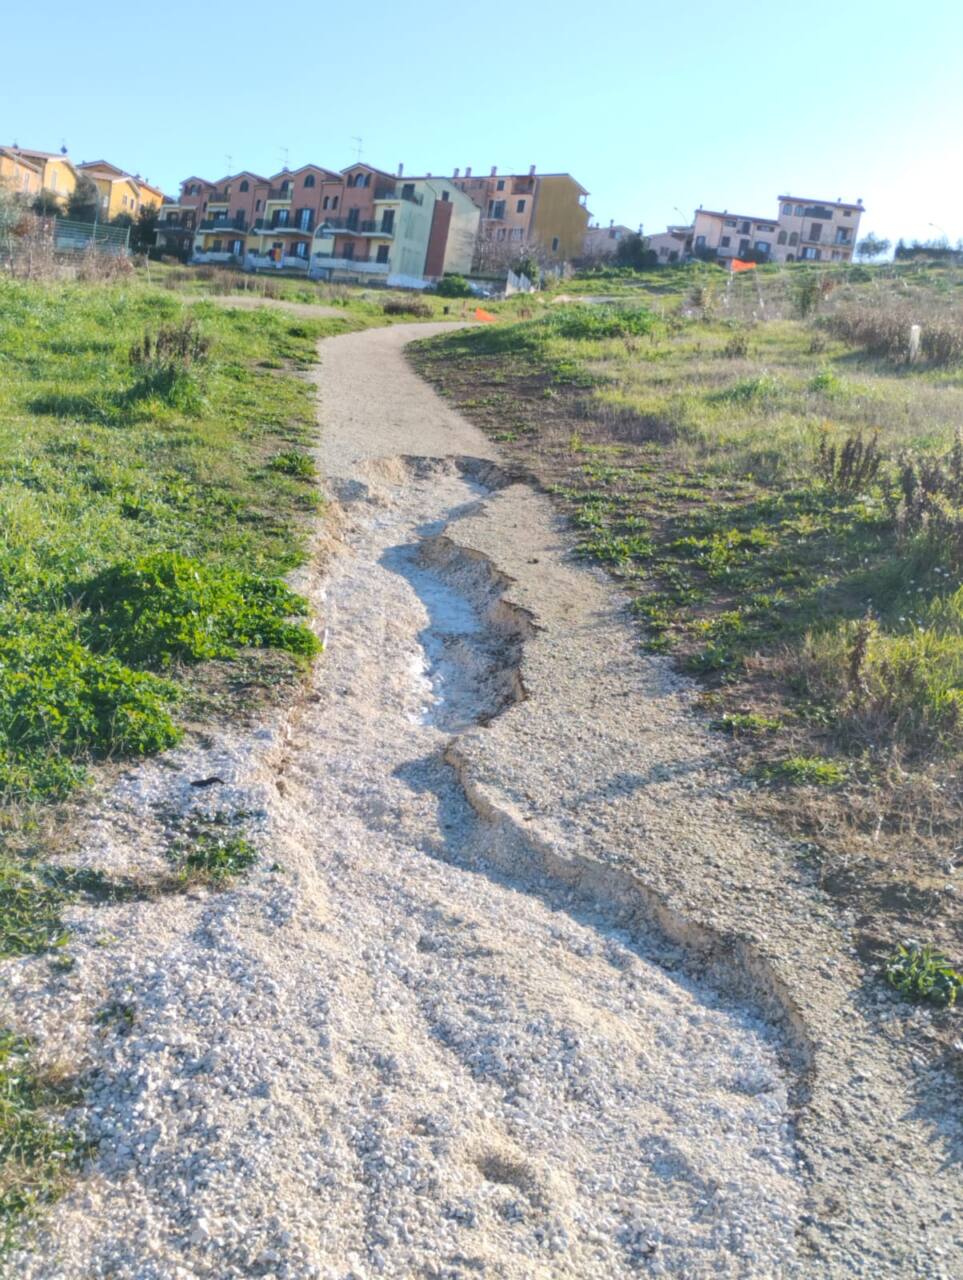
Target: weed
923,973
409,307
737,345
166,607
813,771
212,850
852,468
36,1152
745,724
30,918
292,463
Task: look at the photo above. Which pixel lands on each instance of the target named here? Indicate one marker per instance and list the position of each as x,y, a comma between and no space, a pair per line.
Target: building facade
18,175
357,223
603,242
120,192
547,209
803,230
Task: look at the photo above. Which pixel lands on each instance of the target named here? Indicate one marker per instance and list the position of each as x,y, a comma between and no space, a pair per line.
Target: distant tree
528,265
871,246
122,220
142,236
47,204
83,203
633,251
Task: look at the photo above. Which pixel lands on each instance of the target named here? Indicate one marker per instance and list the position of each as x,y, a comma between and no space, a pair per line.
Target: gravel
437,1031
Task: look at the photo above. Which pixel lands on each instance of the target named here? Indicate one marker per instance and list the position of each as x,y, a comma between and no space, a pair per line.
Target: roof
361,164
746,217
105,164
487,177
20,158
839,204
319,168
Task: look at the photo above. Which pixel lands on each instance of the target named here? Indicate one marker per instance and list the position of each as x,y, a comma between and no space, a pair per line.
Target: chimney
401,170
494,169
611,222
457,171
531,171
468,172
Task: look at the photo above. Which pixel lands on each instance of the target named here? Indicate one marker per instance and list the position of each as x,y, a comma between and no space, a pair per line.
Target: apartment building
803,230
548,209
357,223
56,171
120,192
671,245
19,175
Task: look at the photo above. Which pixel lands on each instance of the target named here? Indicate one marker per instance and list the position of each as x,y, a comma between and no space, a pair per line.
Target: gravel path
511,993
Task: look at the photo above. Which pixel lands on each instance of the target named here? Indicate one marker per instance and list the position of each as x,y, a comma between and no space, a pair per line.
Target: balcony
218,255
222,224
286,262
323,264
280,193
355,227
267,227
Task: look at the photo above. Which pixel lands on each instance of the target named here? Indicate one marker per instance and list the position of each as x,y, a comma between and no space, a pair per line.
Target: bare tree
494,256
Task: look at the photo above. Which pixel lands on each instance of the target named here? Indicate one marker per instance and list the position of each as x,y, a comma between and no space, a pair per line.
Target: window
257,205
800,211
282,217
700,242
763,247
520,206
500,233
835,255
334,202
444,197
324,202
517,233
348,250
216,246
842,235
408,191
725,242
301,249
743,247
388,221
496,209
382,254
285,187
781,238
794,237
815,230
555,243
847,213
245,185
236,246
744,228
811,254
787,210
500,184
730,222
304,219
309,180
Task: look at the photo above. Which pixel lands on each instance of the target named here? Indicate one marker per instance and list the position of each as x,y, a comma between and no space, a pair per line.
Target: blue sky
656,108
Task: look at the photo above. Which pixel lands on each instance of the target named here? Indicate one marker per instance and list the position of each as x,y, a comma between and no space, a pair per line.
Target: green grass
923,973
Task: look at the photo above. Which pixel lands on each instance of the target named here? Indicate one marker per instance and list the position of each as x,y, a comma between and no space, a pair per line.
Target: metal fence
70,236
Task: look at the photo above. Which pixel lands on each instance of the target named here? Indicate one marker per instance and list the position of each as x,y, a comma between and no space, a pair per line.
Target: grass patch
804,771
212,850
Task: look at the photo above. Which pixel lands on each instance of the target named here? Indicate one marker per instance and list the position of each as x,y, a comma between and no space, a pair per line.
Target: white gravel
400,1047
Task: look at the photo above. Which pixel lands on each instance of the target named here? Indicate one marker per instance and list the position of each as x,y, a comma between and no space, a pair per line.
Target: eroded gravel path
518,999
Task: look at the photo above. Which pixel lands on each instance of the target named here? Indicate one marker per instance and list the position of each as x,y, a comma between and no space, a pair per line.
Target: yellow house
19,175
57,173
120,192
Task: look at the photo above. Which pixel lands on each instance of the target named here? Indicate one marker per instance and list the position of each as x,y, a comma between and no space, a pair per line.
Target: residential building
19,175
672,245
547,209
817,230
803,230
120,192
57,172
603,242
359,223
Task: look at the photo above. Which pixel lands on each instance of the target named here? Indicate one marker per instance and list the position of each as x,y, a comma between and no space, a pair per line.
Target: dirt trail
250,301
520,996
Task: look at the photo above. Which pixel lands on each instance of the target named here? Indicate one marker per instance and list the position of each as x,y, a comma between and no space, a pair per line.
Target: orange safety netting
487,316
738,265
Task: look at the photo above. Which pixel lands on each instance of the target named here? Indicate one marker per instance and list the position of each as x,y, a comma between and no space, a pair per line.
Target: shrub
453,287
852,468
737,347
409,306
923,973
164,365
166,607
60,702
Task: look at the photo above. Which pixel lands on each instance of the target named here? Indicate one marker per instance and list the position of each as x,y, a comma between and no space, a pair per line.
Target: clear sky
654,107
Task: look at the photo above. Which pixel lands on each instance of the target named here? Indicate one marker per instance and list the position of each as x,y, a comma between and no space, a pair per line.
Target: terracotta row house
356,223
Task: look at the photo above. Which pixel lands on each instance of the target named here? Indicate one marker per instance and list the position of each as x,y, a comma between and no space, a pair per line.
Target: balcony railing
322,263
266,225
280,193
222,224
356,227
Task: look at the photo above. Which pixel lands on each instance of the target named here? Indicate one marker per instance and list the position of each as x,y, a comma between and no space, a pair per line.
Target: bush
60,702
409,306
165,608
164,365
453,287
852,468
